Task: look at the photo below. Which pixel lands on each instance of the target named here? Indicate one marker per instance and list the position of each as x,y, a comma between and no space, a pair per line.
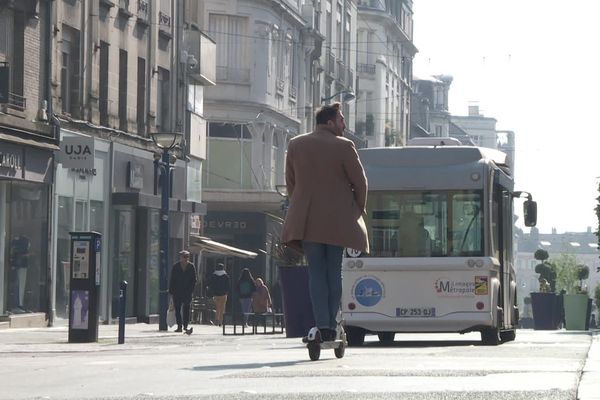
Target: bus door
502,242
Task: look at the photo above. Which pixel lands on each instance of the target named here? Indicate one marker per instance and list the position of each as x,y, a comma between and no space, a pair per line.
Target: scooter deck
332,344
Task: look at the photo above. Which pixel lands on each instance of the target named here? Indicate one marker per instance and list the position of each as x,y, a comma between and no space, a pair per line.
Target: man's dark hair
327,113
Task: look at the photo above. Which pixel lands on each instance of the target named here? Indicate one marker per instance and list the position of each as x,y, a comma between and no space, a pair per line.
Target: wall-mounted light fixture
345,97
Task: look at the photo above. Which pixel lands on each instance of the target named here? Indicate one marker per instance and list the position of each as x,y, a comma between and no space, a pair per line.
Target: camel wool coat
327,190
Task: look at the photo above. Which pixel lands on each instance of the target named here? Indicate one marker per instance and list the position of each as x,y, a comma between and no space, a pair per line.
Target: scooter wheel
341,349
314,351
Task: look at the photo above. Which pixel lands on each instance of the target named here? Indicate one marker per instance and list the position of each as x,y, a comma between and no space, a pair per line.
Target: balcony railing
233,75
293,92
164,19
366,69
280,84
16,102
142,10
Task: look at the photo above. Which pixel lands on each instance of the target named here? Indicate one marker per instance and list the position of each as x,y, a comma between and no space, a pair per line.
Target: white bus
440,224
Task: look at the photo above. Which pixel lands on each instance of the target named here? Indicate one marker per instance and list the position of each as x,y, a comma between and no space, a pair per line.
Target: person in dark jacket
245,290
181,288
219,285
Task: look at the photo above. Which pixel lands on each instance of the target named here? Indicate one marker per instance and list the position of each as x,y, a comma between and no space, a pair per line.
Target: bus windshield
425,223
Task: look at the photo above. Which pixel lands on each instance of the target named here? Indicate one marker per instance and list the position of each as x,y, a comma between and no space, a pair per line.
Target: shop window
24,219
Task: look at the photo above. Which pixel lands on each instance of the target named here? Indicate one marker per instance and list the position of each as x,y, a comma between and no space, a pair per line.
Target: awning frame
206,244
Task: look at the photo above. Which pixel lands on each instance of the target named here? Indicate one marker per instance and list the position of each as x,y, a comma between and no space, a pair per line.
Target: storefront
135,241
25,182
119,197
81,203
244,230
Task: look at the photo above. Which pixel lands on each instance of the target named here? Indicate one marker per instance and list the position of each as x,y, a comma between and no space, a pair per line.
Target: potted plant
576,303
544,303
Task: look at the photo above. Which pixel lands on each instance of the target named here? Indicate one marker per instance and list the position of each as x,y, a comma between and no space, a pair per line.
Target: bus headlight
471,263
479,263
359,264
350,264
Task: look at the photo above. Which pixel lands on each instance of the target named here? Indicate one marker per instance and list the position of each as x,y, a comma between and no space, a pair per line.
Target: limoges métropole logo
447,287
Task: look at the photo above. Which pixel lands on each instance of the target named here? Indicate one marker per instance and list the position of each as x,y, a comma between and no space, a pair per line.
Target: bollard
122,303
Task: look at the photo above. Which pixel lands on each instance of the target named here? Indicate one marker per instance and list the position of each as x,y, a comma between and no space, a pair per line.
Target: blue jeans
324,281
246,304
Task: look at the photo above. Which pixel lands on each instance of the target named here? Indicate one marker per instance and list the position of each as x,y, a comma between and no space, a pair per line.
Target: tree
546,270
583,272
598,216
597,295
541,255
566,272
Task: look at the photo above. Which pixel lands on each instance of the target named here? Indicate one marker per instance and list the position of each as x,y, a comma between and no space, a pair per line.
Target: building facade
385,56
277,62
104,75
27,145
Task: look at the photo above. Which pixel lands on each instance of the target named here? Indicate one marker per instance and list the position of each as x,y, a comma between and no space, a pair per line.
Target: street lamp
346,97
166,142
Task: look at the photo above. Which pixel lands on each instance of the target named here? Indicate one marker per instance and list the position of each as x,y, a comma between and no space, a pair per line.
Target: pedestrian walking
245,290
219,285
327,190
181,288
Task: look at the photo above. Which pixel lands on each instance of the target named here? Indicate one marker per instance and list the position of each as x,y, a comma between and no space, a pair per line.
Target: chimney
474,110
554,231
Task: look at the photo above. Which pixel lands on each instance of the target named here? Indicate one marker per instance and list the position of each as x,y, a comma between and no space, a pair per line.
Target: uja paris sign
77,152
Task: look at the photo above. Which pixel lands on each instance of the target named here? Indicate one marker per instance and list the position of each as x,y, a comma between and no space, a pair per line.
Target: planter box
546,311
576,311
297,307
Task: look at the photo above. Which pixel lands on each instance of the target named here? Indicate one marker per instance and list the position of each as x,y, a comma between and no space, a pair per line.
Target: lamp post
346,97
166,142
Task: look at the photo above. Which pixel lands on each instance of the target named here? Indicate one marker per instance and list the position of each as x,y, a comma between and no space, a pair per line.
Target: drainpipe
54,123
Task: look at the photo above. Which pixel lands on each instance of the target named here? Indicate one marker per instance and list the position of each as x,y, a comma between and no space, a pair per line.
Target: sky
534,66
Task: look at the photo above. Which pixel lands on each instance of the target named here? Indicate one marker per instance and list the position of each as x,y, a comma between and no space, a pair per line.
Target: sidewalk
139,335
589,385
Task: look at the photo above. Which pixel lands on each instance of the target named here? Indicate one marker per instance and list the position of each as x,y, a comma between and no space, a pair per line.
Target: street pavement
39,363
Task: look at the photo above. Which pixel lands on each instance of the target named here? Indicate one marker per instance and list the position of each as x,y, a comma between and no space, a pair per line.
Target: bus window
424,224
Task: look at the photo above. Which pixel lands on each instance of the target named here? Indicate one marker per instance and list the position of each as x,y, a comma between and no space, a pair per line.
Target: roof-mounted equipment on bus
433,141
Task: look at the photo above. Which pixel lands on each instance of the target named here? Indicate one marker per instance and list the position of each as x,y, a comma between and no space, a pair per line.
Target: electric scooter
314,344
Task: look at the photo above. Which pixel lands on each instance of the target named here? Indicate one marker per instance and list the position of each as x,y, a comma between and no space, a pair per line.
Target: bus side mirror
530,212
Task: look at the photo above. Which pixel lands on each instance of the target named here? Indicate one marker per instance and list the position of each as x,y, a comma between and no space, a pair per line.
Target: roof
557,243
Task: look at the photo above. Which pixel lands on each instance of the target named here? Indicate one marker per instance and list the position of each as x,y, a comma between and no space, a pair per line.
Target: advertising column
84,285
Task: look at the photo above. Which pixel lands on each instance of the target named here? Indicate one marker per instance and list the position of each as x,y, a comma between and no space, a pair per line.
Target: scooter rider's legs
325,284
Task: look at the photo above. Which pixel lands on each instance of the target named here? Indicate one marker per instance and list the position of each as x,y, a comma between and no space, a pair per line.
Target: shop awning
28,142
201,243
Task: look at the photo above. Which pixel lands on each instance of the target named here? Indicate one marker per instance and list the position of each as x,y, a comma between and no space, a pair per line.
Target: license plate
415,312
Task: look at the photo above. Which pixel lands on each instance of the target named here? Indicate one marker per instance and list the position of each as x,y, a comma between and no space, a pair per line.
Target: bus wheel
490,336
508,336
355,336
386,337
